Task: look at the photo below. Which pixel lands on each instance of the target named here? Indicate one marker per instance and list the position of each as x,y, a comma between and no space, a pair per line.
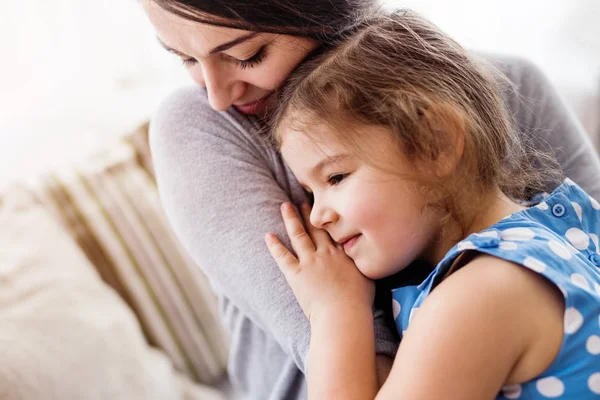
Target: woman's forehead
191,39
177,32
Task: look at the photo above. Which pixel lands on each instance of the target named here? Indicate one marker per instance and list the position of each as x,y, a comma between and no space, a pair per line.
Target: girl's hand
321,275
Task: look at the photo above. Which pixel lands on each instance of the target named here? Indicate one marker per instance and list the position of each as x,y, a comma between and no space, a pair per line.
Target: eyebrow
218,49
326,162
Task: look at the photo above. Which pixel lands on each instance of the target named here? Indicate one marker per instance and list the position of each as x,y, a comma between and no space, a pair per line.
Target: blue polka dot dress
557,238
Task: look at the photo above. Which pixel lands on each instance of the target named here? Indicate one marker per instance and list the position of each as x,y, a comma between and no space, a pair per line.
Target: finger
319,236
300,239
283,257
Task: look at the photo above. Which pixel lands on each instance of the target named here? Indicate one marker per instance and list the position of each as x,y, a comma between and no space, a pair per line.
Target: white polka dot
595,240
594,203
550,387
507,246
573,320
534,264
543,206
560,249
487,234
571,248
578,238
518,234
578,210
512,391
466,245
593,345
579,280
594,383
396,307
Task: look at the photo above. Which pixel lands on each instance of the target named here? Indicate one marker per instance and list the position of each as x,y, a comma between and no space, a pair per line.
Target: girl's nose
321,216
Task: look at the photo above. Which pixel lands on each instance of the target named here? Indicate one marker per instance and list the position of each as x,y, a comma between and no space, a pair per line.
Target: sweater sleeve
541,114
222,187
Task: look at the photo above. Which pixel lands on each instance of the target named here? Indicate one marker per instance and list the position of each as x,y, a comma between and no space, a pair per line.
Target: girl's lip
348,244
254,107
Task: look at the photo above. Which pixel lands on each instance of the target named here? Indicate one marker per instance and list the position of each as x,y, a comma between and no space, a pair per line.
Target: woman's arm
541,115
221,189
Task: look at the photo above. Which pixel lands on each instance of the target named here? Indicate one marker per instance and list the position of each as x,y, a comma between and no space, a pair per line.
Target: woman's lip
348,244
253,107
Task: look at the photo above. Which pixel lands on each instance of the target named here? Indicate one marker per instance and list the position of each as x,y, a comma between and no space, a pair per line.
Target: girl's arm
221,189
337,300
541,114
341,361
489,324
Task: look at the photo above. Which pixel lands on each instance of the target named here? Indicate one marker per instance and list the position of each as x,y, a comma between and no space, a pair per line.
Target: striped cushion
64,333
110,205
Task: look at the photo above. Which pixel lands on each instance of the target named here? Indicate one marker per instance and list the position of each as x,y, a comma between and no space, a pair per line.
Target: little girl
402,139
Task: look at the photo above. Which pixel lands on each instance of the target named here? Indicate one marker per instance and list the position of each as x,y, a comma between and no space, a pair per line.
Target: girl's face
379,217
238,68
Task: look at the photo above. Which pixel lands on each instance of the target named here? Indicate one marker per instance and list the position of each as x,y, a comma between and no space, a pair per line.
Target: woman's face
238,68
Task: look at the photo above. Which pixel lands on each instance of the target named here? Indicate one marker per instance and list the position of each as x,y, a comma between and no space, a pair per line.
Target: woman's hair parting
400,72
317,19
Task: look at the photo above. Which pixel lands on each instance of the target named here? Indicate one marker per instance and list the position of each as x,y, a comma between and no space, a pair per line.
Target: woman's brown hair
321,20
400,72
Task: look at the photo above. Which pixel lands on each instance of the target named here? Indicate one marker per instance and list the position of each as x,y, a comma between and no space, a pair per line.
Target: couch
97,298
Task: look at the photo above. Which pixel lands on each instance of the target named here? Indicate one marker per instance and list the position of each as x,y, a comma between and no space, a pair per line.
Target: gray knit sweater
221,187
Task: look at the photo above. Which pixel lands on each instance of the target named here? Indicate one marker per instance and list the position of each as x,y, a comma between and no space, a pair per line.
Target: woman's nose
221,84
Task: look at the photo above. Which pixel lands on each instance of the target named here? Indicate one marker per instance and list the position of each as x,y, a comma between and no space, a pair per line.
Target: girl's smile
349,243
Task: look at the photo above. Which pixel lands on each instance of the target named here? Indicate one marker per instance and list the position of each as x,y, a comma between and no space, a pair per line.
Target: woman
222,185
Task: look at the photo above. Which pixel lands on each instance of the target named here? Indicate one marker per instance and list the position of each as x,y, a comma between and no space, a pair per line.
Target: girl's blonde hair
400,72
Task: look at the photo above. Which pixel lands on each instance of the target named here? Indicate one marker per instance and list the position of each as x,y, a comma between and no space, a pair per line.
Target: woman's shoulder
186,114
528,85
516,68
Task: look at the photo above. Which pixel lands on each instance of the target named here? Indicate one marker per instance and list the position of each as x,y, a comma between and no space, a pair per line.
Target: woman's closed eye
254,60
250,62
336,179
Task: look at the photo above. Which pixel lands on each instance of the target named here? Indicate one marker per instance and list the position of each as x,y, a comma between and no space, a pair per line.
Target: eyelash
251,62
188,62
336,179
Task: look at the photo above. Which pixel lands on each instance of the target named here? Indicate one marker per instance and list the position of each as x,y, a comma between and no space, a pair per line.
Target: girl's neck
491,209
496,207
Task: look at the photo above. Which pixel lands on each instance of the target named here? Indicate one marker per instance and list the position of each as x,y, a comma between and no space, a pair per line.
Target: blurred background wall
78,73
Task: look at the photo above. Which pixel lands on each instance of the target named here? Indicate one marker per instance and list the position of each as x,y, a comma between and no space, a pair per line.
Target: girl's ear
445,128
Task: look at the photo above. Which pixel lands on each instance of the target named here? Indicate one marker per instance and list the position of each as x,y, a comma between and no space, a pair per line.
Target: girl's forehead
309,141
308,133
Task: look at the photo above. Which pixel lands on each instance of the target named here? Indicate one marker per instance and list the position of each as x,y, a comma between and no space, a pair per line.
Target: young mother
222,186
